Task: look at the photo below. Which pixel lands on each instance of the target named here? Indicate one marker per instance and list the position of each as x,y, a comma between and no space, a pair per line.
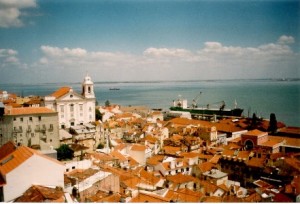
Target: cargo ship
216,109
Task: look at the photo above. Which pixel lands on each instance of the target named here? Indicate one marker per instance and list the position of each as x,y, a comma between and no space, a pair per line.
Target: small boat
114,89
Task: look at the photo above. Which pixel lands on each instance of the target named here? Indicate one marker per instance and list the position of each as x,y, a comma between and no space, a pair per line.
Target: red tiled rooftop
137,147
17,157
28,111
7,149
61,92
255,132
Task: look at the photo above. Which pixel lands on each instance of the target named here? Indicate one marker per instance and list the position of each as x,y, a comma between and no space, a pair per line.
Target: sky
55,41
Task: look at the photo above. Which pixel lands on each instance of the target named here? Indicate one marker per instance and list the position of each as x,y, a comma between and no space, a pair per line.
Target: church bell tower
88,87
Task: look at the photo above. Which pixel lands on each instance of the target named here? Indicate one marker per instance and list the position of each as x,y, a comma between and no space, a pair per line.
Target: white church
73,108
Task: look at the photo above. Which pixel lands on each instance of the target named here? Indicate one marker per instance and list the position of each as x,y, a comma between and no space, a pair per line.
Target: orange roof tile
206,166
41,194
184,195
60,92
28,111
139,148
20,155
7,149
255,132
185,122
151,198
180,178
155,159
288,140
256,162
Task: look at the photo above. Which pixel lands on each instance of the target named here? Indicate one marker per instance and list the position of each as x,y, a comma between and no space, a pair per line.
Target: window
30,118
81,107
15,119
32,134
62,109
40,118
51,127
62,126
72,107
62,116
21,119
71,96
89,89
90,109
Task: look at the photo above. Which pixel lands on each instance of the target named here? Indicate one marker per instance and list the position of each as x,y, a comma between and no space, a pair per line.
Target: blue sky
146,40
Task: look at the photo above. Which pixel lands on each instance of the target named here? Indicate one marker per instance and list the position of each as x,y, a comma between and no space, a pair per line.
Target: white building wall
139,156
36,170
31,129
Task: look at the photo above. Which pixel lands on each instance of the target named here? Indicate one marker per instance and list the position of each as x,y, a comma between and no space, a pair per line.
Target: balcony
18,130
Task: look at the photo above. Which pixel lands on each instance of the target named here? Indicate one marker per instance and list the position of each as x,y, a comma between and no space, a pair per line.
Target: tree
98,115
100,146
107,103
253,122
272,124
64,152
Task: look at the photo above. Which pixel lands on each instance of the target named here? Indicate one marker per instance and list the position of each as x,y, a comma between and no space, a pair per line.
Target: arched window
89,89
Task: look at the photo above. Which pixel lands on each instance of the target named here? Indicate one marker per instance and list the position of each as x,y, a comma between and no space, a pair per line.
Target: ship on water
216,109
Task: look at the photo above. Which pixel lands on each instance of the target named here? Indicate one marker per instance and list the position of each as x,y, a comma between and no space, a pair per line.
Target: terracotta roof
290,130
255,132
215,159
155,159
256,162
189,154
82,174
212,199
41,194
20,155
61,92
208,186
293,162
171,150
116,154
180,178
272,142
206,166
185,122
151,198
7,149
140,148
288,140
28,111
184,195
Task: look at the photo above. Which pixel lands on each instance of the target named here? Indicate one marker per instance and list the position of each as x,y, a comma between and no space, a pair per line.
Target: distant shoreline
158,81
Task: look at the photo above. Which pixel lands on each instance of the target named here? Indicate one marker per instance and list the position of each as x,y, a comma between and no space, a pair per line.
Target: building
21,167
30,126
73,108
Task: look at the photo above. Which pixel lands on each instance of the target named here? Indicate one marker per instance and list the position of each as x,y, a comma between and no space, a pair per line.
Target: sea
262,97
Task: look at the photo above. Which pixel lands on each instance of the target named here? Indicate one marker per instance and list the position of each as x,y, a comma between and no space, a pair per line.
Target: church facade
73,108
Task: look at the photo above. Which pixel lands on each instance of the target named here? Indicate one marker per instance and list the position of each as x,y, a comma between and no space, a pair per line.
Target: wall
35,170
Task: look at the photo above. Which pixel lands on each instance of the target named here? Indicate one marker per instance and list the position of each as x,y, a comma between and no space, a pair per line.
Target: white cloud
10,12
214,60
286,39
165,52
